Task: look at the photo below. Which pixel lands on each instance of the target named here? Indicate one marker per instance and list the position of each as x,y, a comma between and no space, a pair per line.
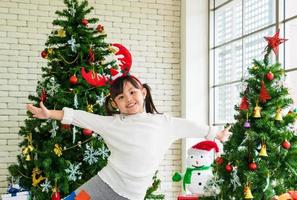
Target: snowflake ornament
46,186
100,99
73,45
212,185
104,152
75,101
53,131
74,131
72,10
52,87
73,172
91,156
235,179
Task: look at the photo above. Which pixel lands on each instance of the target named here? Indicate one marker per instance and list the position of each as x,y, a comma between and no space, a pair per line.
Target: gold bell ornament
28,157
90,108
257,111
247,192
278,115
263,151
27,150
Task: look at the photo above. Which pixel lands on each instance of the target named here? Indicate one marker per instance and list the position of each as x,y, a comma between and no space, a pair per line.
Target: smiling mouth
131,105
197,166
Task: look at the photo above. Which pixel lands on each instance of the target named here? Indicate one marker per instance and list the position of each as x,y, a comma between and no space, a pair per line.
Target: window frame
212,49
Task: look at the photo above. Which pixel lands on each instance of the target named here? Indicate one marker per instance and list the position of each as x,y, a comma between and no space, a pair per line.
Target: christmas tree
56,158
150,193
259,160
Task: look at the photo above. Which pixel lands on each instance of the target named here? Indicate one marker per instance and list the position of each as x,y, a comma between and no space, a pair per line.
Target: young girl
136,135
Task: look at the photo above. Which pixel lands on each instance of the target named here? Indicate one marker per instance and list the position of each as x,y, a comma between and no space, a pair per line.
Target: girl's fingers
42,105
31,108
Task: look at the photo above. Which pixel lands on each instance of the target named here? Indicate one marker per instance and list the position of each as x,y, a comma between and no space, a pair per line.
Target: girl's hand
40,113
224,135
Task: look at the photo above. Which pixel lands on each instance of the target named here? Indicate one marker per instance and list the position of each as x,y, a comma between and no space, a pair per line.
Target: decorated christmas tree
259,160
56,158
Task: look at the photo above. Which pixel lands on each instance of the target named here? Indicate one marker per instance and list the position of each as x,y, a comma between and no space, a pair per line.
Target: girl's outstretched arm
44,113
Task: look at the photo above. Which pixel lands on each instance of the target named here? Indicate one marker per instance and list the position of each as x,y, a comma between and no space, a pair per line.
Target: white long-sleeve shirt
137,144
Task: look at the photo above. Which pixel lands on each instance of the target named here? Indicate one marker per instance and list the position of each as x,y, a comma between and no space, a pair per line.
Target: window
237,30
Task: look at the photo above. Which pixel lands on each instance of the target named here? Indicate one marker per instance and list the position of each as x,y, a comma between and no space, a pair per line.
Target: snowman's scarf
188,174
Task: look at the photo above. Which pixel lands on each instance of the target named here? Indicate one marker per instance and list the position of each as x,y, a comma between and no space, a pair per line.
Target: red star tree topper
274,42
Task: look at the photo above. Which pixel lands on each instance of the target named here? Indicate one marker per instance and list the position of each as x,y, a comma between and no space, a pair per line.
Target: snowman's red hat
206,145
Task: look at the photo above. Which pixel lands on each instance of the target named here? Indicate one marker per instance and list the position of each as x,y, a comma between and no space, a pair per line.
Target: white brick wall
149,28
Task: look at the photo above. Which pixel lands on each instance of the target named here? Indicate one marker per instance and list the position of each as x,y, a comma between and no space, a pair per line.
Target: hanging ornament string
68,62
87,140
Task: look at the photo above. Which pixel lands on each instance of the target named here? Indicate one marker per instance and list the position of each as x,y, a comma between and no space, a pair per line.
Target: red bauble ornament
84,22
87,132
253,166
100,28
286,144
56,196
219,160
229,168
269,76
44,54
73,80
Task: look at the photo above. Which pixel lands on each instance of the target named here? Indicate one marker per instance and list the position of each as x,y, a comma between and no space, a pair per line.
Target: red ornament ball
84,22
229,168
286,144
219,160
253,166
87,132
44,54
270,76
56,196
73,80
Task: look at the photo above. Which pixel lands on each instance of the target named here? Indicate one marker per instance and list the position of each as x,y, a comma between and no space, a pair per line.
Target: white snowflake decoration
91,156
74,131
72,9
52,87
104,152
75,101
53,131
101,99
212,186
235,179
46,186
73,172
73,44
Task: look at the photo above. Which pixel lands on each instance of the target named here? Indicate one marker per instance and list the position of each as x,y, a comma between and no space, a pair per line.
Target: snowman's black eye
192,156
201,157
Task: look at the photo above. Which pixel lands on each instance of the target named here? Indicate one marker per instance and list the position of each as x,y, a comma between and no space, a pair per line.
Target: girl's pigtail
149,104
110,110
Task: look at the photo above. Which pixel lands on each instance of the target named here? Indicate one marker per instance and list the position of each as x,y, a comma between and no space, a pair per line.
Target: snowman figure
198,171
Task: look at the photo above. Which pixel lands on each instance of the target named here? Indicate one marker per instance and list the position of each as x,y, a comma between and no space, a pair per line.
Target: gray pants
99,190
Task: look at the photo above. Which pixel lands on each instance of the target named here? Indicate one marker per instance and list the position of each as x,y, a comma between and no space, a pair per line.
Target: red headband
124,57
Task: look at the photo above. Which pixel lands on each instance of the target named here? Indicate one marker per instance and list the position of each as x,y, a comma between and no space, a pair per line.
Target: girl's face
131,101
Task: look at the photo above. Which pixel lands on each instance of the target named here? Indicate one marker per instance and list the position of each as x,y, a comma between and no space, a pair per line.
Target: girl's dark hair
117,87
